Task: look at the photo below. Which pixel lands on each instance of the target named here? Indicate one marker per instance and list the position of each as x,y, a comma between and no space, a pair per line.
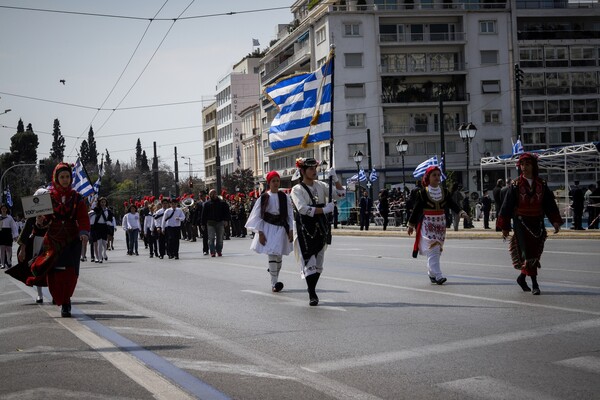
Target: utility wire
229,13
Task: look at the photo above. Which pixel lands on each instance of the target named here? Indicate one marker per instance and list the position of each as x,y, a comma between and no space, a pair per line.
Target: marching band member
171,226
9,233
150,227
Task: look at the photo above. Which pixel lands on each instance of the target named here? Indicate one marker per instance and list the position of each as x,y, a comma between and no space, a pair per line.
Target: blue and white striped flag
304,102
517,148
360,177
374,176
100,175
421,168
81,183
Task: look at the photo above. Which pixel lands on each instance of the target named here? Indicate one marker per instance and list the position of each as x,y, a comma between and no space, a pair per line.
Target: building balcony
408,5
421,38
299,58
427,68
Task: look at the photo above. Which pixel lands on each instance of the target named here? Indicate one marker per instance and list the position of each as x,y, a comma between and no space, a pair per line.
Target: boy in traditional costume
311,204
272,218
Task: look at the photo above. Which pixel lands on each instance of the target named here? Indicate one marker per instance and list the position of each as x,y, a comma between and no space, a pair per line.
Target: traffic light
191,183
518,74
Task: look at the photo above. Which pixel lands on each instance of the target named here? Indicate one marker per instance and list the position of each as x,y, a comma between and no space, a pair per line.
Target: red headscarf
271,175
428,172
534,162
57,190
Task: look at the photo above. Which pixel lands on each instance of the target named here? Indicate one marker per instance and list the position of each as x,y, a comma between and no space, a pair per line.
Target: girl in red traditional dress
58,263
429,218
527,200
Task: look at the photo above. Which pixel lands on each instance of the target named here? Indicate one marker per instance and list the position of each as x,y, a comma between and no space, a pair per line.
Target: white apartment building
235,92
394,60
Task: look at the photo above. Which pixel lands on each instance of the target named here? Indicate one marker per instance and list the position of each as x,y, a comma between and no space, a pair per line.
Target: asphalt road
210,328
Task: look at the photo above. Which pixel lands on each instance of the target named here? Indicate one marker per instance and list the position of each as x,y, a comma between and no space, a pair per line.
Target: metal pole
442,139
176,174
403,176
357,192
155,174
468,141
370,184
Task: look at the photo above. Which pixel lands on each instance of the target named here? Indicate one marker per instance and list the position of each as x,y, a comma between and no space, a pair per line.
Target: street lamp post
6,111
467,132
358,157
4,174
402,148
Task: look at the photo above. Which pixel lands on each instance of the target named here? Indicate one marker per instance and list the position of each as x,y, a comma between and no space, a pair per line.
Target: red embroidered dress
58,262
526,204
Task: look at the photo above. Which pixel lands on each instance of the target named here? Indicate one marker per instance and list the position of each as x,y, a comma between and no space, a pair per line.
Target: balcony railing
425,68
419,97
302,53
423,5
421,38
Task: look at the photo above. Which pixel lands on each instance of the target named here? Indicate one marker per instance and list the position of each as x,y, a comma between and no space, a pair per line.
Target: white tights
433,262
274,268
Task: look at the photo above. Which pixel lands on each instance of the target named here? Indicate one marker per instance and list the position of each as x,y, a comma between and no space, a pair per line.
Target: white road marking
485,387
586,363
108,313
10,293
151,332
298,303
443,348
160,387
222,368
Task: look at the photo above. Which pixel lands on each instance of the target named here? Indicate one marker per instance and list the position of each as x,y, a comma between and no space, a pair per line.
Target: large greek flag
360,177
304,102
81,183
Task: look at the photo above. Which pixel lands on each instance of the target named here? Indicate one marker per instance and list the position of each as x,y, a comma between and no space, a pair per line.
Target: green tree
138,155
144,167
24,146
92,163
241,180
20,126
84,152
57,152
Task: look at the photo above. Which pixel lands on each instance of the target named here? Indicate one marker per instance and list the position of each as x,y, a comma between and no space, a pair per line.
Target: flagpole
332,55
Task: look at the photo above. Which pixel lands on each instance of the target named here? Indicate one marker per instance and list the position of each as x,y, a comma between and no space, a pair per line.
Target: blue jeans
133,240
215,234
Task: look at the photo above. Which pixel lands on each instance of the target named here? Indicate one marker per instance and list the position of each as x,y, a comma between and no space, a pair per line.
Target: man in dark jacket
215,214
486,207
366,205
496,194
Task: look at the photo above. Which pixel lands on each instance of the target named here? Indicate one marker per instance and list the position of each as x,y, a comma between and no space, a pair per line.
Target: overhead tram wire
118,79
147,64
229,13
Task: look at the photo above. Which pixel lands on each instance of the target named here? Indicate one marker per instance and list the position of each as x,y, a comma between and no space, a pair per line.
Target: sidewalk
475,233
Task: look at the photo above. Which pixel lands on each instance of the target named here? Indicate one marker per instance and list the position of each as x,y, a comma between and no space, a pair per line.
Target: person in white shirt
9,232
131,224
101,223
149,228
160,235
171,226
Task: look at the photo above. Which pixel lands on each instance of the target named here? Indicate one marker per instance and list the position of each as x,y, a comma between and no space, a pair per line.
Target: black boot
536,288
65,311
521,281
311,282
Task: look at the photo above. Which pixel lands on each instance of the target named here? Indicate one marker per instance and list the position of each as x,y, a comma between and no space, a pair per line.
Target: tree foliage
241,180
92,162
57,152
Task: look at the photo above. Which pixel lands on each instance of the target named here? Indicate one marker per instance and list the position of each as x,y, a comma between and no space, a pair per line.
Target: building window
487,27
353,59
321,35
531,57
533,111
490,86
492,146
354,147
355,90
356,120
352,29
556,56
492,116
321,62
489,56
582,56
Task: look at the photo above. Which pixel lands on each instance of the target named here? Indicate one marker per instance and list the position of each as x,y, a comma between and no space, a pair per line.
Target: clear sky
39,49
